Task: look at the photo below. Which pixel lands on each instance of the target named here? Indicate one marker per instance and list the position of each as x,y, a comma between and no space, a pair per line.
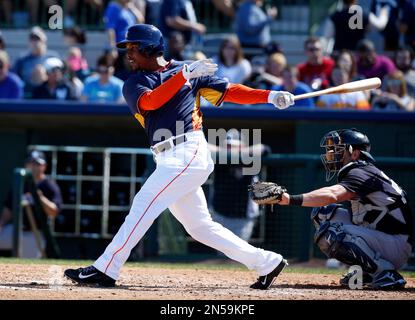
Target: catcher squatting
377,234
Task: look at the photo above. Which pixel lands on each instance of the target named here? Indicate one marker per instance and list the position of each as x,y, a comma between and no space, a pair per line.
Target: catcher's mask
336,143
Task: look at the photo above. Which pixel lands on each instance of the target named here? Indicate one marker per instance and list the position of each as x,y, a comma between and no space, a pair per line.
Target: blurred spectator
273,47
403,61
6,12
231,61
11,87
198,55
176,47
50,199
38,55
382,18
352,100
253,25
316,71
74,36
76,84
346,60
395,95
70,7
407,23
272,74
179,15
152,11
227,7
77,64
2,42
56,87
38,76
390,32
338,26
76,71
120,15
103,87
370,64
38,9
33,7
291,84
231,205
224,13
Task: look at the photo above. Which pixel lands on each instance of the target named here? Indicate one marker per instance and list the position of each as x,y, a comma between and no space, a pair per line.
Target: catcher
377,234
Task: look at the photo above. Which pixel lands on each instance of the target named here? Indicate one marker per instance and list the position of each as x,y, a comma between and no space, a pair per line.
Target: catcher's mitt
266,192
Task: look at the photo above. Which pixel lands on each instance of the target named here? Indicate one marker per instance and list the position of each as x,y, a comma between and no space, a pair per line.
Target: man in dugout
32,245
377,233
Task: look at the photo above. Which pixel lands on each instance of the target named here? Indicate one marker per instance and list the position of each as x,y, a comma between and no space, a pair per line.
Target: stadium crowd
41,73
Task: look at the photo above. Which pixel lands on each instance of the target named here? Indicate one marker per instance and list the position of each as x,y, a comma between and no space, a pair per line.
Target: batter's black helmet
148,38
337,142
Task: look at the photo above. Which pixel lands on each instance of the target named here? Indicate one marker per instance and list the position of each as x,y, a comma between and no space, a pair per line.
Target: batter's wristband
296,200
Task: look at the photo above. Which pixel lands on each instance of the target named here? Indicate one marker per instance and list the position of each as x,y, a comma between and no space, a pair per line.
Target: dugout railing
98,185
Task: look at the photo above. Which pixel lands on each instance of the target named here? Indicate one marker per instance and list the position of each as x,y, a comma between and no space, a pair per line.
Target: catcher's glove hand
266,192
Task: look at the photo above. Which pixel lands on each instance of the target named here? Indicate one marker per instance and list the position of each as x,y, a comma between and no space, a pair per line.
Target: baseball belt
168,144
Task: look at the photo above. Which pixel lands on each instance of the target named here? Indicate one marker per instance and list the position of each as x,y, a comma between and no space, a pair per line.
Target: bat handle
309,95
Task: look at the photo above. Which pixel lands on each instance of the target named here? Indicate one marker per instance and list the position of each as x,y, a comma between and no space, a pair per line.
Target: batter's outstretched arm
238,93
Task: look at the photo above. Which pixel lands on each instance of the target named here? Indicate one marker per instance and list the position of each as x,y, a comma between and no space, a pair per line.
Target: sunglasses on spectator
102,70
313,49
394,82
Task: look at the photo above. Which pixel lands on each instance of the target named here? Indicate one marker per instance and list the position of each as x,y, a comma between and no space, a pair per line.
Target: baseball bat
361,85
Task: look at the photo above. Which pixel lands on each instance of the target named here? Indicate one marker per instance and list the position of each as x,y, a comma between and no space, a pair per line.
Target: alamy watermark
356,278
56,19
233,147
55,279
356,20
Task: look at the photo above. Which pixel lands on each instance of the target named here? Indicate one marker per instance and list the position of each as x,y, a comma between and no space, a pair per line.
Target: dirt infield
42,281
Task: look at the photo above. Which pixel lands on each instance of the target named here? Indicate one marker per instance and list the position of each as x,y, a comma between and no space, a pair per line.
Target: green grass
193,265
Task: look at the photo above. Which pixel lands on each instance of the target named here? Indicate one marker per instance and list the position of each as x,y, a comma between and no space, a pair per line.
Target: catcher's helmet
337,142
148,38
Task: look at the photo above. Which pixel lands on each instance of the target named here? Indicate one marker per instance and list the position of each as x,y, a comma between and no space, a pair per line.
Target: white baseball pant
176,184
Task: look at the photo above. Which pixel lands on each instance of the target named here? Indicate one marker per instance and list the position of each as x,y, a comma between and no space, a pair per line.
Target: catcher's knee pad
334,211
336,243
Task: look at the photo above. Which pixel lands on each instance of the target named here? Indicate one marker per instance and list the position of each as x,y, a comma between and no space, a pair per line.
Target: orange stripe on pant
148,207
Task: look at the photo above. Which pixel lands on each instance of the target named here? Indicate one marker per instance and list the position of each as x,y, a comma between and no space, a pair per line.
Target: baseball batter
164,96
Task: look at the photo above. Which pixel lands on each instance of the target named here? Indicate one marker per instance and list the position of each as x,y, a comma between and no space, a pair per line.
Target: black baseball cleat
90,275
387,280
264,282
367,278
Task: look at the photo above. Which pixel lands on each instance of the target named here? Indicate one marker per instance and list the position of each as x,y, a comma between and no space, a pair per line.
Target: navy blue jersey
346,37
181,114
49,189
380,204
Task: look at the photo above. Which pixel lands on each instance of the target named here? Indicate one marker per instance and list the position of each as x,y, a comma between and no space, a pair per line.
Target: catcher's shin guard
336,243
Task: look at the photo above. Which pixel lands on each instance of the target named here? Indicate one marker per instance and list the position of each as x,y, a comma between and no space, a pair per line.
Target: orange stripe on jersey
238,93
155,99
